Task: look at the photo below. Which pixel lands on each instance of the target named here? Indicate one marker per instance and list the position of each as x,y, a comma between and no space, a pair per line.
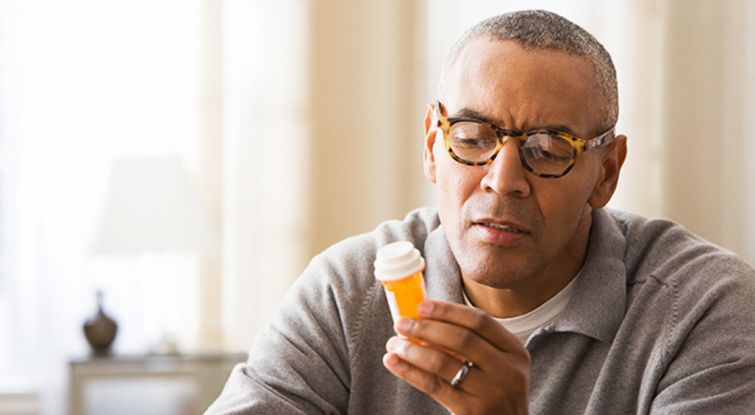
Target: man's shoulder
668,253
682,289
360,250
348,264
339,285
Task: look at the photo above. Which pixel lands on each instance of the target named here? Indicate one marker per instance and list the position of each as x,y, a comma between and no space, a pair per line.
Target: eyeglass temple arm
436,111
602,140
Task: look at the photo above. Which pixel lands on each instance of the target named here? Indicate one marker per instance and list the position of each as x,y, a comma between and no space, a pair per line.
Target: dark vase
100,330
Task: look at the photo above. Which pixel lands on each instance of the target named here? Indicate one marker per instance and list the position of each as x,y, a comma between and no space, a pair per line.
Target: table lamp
152,206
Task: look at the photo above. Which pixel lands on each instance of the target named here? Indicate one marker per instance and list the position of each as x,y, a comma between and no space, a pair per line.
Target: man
543,301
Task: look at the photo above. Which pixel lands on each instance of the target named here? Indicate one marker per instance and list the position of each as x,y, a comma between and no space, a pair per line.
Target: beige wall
705,137
686,92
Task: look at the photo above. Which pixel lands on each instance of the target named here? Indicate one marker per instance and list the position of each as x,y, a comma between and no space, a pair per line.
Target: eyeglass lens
544,152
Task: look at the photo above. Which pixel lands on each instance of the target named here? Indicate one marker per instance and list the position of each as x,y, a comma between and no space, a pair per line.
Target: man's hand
447,335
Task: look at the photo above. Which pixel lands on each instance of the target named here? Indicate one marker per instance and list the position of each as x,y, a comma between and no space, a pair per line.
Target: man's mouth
500,232
506,227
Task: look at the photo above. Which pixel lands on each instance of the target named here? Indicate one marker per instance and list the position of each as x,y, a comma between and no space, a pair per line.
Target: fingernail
402,346
405,324
392,359
425,308
398,346
392,344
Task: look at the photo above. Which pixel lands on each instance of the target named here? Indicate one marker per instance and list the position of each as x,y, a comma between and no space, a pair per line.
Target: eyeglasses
544,152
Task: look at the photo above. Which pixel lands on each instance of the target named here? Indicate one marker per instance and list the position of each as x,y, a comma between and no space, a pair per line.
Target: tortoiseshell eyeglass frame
578,144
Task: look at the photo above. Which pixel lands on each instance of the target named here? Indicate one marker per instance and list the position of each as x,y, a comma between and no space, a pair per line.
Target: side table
179,384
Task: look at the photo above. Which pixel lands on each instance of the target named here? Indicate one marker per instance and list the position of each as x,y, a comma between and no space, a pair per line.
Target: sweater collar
597,305
442,274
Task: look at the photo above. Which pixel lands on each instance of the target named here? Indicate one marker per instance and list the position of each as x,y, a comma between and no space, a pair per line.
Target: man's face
506,226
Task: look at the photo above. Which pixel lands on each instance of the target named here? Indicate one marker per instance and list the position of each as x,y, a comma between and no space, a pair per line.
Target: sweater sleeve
711,348
300,363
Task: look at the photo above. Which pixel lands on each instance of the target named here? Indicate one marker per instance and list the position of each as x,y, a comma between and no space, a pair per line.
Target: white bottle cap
398,260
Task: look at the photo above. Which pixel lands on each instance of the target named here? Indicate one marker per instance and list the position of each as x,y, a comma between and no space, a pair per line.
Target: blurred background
186,158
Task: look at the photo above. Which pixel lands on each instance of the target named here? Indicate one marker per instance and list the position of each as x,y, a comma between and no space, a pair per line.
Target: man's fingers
476,320
458,341
432,360
439,341
426,382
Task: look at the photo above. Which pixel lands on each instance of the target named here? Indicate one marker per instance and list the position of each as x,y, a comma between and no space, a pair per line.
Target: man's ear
612,161
428,158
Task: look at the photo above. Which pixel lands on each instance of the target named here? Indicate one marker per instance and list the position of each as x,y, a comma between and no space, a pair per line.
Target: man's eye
469,142
543,154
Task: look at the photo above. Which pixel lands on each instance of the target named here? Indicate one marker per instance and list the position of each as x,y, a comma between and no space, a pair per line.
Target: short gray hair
547,30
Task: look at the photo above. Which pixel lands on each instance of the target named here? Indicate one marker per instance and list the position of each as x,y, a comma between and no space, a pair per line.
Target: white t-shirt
526,324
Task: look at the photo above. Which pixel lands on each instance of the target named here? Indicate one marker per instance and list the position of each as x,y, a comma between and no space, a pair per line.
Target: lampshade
153,206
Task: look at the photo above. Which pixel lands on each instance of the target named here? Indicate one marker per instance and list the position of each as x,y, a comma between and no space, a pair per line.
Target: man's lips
502,225
500,232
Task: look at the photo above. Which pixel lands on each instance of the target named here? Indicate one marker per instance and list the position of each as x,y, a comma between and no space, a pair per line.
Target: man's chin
501,283
500,276
492,266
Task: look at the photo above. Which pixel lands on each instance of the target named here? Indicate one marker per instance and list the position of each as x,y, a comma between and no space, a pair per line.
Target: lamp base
100,330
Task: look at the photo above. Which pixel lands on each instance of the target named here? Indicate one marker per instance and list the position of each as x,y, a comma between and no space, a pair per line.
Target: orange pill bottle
399,267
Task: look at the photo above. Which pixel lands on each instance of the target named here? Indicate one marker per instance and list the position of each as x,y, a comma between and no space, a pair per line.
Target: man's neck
505,302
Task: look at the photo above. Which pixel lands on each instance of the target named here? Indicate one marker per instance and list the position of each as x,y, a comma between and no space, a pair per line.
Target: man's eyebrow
557,127
471,113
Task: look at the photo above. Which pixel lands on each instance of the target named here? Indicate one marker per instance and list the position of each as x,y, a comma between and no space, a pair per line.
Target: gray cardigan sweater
660,322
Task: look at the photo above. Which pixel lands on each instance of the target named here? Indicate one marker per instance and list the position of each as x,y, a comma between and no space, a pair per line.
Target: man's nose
506,175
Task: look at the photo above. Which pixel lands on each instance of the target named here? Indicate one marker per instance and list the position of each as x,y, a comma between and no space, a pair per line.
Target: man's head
539,29
507,227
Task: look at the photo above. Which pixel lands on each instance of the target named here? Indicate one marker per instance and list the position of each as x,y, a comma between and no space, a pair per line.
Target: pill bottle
399,267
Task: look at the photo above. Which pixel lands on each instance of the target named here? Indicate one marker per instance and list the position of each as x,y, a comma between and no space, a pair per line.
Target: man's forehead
528,85
549,121
499,57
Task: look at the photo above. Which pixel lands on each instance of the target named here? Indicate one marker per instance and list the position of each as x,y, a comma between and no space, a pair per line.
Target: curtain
83,83
323,129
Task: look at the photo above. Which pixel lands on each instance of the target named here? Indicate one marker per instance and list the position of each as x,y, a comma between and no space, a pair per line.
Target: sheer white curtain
84,82
264,164
323,138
